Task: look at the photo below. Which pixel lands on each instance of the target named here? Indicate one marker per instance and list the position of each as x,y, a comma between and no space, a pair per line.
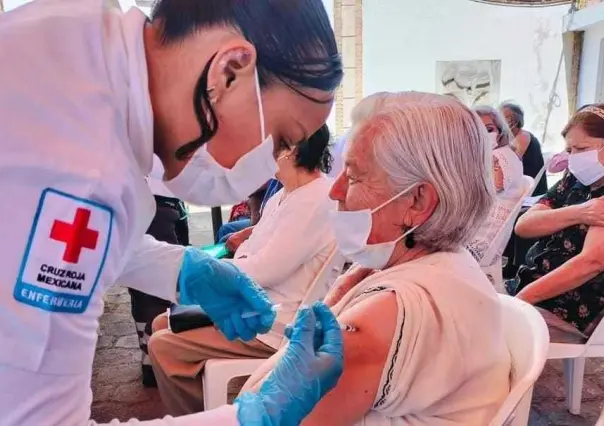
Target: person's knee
160,323
159,347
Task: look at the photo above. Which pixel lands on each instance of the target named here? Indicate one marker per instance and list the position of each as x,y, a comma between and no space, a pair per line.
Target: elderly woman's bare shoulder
365,354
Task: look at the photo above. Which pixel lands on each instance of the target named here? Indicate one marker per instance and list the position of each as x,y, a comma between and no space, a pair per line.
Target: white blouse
288,247
512,170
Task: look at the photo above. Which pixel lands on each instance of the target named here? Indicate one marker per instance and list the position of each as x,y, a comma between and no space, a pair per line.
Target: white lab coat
155,180
76,130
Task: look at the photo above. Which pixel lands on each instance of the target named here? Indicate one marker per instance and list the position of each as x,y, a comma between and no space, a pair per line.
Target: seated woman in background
245,215
507,176
526,145
235,238
429,347
563,273
284,254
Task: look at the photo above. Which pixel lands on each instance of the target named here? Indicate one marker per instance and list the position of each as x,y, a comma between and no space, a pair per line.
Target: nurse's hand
309,369
225,294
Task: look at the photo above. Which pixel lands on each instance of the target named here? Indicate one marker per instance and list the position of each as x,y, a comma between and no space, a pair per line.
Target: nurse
87,95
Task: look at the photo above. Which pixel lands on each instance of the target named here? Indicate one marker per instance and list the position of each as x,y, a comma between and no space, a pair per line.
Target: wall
12,4
403,39
590,59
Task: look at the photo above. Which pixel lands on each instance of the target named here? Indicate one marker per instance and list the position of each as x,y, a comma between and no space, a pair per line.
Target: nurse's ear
233,66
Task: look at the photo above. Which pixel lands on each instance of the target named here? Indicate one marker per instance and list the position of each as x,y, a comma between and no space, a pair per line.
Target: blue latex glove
302,377
224,293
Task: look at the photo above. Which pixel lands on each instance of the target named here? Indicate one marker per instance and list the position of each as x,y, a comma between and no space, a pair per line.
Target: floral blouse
582,305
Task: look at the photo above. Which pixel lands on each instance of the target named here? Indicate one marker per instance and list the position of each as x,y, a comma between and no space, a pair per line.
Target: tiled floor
118,392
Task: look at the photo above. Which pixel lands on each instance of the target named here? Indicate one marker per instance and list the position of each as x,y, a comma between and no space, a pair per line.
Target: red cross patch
66,253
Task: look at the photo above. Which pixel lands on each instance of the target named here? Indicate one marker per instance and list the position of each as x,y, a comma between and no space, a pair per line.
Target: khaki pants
178,360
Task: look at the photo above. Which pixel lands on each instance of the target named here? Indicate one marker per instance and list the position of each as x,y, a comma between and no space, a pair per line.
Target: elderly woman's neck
402,254
597,185
299,179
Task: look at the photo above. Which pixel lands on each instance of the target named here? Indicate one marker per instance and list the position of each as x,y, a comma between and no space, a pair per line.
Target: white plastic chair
218,373
492,257
573,356
527,339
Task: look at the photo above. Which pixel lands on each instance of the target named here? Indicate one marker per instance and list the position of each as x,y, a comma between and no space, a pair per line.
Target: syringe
278,307
250,314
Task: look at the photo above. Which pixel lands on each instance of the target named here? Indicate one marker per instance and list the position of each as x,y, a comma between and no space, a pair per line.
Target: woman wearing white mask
87,96
507,178
419,302
507,167
564,271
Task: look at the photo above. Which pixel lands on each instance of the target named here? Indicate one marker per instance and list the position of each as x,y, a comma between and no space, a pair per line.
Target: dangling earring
410,241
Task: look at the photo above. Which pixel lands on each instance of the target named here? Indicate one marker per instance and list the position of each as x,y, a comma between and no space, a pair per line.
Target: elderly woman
564,270
526,145
428,345
507,177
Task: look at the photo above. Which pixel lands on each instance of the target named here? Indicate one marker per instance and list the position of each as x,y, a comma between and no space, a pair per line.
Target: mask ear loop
260,107
385,203
408,235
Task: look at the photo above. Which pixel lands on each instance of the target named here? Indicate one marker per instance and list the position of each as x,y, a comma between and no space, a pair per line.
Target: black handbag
187,317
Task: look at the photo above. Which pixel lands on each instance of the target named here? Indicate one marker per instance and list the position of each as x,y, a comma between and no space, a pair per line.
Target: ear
235,62
425,201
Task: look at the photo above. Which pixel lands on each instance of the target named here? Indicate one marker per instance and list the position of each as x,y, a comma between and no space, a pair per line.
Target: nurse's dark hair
313,153
294,43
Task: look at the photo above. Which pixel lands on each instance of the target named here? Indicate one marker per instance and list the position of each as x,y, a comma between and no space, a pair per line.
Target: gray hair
505,134
421,137
516,111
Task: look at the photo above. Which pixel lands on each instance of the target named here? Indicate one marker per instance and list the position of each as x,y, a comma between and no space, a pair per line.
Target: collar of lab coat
140,112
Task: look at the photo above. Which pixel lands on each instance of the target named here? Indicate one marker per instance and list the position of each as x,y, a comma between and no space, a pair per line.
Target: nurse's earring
212,98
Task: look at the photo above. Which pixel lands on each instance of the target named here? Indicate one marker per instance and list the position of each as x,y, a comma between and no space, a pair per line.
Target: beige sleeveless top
448,362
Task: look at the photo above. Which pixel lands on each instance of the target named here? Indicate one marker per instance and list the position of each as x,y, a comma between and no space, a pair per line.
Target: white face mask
586,166
205,182
352,230
494,138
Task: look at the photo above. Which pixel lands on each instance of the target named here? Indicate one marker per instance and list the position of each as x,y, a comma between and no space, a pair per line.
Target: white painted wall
403,39
590,59
13,4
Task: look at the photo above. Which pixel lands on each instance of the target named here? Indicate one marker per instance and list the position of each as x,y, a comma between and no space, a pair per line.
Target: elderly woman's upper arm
365,354
593,247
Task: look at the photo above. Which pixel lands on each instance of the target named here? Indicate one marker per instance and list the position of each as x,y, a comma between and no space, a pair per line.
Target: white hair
505,134
422,137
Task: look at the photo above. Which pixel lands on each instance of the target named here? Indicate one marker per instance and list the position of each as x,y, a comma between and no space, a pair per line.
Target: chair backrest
331,269
527,339
505,232
597,337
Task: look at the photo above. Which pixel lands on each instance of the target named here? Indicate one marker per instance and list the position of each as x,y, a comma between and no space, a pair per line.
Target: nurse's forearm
223,416
153,268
